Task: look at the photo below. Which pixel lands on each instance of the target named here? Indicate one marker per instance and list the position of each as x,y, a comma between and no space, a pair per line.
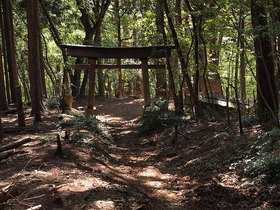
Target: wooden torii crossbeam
96,52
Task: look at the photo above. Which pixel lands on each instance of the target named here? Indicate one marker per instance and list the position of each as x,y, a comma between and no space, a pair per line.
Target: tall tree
242,60
193,90
34,57
58,41
161,30
11,58
276,41
266,89
119,38
3,101
92,26
5,56
9,36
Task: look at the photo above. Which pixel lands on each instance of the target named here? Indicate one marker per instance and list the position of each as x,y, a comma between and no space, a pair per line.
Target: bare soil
143,173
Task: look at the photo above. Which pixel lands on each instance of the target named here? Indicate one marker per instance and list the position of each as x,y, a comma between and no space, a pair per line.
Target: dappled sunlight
134,101
170,195
154,172
105,204
108,117
80,185
192,161
155,184
229,179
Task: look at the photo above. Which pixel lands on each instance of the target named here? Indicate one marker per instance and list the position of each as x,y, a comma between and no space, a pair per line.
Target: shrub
249,120
262,161
89,123
52,103
266,166
158,117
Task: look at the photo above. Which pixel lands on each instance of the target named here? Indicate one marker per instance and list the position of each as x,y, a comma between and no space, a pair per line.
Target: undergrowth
52,103
98,143
89,123
249,120
158,117
262,161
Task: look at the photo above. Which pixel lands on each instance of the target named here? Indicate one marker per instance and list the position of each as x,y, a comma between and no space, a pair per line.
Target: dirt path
142,173
135,166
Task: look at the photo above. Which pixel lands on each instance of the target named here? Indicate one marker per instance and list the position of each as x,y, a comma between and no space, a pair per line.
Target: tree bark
5,56
91,27
11,58
194,97
276,47
3,101
42,65
15,144
2,134
161,30
266,89
34,57
58,42
9,36
242,61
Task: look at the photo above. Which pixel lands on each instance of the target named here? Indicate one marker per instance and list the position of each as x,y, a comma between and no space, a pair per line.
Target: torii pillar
95,52
146,83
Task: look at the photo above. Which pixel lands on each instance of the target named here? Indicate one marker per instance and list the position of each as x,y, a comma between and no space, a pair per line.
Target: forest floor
151,172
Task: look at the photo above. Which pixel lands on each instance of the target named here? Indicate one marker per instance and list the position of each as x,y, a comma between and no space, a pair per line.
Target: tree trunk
266,89
178,11
3,101
5,56
101,82
214,65
58,42
161,30
11,58
242,61
15,144
90,30
237,62
194,96
276,47
2,135
118,22
9,35
178,102
84,83
161,84
76,80
34,57
42,65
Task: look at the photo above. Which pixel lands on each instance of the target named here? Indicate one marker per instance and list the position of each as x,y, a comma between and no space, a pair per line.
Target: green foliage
249,120
89,123
274,134
98,148
262,161
158,117
266,166
52,103
98,143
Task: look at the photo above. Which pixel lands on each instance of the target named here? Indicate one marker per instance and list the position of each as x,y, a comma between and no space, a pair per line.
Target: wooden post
91,92
146,84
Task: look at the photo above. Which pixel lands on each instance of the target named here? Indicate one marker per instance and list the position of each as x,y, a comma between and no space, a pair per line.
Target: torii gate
95,52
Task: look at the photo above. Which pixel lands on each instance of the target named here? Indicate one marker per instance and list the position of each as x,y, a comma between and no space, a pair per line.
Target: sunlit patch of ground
103,204
144,173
